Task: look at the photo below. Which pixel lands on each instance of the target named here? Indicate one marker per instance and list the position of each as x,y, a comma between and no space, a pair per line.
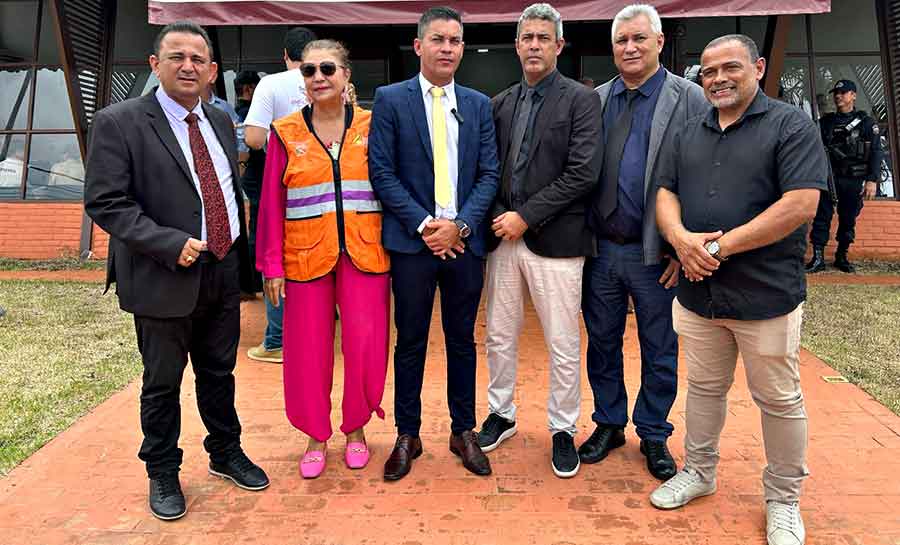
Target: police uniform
853,143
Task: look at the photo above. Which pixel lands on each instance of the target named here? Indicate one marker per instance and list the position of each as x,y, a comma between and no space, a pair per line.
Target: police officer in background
853,143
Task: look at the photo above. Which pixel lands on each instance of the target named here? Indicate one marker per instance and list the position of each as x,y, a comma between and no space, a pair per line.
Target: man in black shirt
737,187
853,143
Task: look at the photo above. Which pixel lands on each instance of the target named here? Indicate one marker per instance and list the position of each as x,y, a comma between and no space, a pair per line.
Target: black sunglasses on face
327,68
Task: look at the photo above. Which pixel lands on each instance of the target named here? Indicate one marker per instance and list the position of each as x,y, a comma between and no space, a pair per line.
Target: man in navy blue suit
433,164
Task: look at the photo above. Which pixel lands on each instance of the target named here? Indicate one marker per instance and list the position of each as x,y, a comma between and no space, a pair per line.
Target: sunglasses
327,68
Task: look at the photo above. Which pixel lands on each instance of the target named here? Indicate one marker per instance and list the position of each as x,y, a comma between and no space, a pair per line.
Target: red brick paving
87,486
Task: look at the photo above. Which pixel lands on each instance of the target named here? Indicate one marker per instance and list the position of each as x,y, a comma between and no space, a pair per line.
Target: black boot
841,262
817,262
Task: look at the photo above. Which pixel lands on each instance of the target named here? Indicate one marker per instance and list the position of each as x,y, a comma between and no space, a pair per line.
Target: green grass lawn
64,348
854,329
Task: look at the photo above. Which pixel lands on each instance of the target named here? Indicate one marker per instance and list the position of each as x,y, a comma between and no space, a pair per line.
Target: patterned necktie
218,228
439,149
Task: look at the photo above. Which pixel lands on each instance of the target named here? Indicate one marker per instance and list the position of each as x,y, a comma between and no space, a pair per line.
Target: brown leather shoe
465,445
406,449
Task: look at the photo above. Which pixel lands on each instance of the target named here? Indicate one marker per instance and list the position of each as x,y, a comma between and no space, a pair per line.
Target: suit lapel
160,124
417,107
462,104
507,119
662,116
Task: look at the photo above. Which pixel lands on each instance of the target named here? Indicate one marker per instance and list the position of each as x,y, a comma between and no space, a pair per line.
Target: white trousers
555,288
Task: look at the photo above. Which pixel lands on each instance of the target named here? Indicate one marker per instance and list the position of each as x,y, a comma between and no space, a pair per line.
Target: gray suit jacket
679,100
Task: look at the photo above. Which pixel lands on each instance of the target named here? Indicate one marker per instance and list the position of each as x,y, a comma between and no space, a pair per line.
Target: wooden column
773,50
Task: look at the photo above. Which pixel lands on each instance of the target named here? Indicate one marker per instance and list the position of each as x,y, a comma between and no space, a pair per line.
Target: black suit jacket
563,167
138,188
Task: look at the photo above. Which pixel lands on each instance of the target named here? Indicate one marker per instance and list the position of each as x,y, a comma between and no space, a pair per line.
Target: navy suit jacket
401,166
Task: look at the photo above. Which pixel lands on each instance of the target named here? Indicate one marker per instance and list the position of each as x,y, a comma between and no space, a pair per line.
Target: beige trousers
771,353
555,287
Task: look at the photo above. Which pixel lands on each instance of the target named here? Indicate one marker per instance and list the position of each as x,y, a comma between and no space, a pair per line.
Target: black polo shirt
726,178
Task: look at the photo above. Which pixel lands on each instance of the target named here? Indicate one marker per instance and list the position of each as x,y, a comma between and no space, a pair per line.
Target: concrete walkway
87,486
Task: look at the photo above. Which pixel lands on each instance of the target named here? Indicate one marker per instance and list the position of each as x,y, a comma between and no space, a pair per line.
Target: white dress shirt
448,101
175,113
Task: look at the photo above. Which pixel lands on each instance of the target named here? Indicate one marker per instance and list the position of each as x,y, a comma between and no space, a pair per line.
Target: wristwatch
464,230
713,249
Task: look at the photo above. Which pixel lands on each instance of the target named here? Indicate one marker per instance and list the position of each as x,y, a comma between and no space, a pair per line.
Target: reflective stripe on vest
312,201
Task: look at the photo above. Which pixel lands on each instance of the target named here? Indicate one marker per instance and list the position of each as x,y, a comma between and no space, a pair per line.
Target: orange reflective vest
331,206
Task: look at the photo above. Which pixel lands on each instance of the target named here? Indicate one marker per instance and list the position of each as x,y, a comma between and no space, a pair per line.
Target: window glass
55,169
865,71
12,165
129,81
794,87
851,26
263,43
15,86
134,37
51,103
600,68
755,27
369,74
48,51
699,31
18,23
797,36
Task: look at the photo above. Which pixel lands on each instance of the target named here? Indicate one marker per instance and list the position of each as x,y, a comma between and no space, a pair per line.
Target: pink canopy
367,12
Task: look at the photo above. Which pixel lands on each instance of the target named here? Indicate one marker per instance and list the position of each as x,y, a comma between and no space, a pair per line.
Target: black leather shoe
166,498
817,261
241,471
841,262
598,445
659,460
406,449
465,445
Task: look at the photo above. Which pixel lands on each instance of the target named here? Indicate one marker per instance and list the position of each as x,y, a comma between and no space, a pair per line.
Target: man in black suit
162,180
549,138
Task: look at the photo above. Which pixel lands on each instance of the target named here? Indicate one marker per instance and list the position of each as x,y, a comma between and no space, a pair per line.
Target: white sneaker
680,489
784,526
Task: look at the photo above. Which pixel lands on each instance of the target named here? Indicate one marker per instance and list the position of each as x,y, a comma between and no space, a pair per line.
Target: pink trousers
364,303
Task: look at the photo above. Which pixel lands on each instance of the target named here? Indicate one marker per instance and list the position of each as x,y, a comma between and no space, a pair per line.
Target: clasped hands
697,262
442,238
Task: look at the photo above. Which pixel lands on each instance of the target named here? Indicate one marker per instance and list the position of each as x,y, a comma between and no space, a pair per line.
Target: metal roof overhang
370,12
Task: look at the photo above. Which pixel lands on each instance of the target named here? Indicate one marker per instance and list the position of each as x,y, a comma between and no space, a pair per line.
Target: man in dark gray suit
640,106
162,180
549,139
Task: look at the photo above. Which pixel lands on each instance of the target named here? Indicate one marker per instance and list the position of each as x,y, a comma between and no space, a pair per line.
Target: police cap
843,86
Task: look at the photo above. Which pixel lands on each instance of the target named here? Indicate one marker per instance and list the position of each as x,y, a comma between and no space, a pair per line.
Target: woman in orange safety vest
319,245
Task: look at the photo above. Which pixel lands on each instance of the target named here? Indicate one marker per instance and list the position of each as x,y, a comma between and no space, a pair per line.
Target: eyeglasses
327,68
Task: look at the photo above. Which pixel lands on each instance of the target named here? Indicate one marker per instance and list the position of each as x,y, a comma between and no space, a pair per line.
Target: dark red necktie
218,228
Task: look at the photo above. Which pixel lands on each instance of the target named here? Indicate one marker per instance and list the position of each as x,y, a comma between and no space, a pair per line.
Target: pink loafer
357,455
312,464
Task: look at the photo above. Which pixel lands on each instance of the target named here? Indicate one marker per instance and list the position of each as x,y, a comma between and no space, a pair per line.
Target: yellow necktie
439,149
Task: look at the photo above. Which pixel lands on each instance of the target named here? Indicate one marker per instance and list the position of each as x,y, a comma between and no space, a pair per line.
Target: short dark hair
188,27
295,41
438,13
742,39
245,77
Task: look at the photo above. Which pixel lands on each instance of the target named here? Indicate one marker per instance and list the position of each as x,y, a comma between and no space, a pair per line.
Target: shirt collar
176,110
449,89
647,88
540,89
759,106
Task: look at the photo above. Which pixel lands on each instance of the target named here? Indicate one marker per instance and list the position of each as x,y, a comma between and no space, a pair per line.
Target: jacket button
196,214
